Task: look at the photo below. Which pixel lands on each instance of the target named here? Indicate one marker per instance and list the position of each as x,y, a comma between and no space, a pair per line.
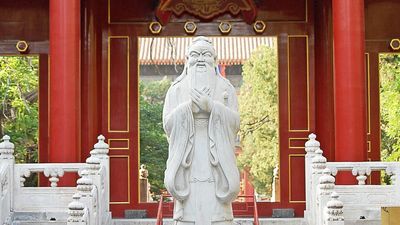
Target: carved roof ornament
206,9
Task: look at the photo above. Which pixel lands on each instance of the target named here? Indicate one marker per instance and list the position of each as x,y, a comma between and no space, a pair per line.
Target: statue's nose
201,58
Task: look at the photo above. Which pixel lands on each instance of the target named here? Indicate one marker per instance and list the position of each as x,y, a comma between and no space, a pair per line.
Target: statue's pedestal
144,190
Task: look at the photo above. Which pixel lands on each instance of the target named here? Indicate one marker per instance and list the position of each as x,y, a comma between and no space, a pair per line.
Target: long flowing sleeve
178,125
223,127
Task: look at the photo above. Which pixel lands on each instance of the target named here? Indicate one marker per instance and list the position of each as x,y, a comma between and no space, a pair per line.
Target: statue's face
201,58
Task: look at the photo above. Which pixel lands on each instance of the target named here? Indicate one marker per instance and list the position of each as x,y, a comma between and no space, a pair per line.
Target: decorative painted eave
172,50
206,10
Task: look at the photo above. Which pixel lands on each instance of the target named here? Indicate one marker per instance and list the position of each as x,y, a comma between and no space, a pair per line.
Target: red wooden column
349,82
64,133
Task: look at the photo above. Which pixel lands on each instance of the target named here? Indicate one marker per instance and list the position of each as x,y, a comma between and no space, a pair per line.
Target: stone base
244,221
39,218
236,221
282,213
135,214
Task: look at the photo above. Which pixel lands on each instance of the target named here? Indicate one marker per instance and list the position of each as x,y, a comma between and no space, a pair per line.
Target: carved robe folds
201,171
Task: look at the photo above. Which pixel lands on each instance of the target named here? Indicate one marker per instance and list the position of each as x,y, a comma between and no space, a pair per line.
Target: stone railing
37,199
91,202
328,203
7,162
92,190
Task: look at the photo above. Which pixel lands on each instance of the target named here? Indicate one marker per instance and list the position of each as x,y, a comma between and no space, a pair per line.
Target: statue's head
201,56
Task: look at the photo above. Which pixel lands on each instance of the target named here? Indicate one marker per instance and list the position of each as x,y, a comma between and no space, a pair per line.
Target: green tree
153,141
258,104
19,105
389,72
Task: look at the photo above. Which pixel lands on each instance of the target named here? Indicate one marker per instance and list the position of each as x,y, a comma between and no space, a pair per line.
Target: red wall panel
118,90
119,171
283,10
296,178
120,11
24,20
381,19
298,83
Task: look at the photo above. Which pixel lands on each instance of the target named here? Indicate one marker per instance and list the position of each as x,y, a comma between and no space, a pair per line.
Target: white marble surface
33,205
355,201
201,121
236,221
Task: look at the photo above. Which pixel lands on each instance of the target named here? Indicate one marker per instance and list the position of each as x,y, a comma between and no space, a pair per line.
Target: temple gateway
82,90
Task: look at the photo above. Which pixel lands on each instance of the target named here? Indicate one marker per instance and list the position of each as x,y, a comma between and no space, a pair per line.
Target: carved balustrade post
310,147
22,175
100,151
93,169
394,173
361,174
318,166
325,189
6,183
84,184
334,211
88,194
94,174
53,174
396,176
76,211
7,150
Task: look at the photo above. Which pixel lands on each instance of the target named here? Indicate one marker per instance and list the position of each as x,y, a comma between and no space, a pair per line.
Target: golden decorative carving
206,9
155,27
190,27
225,27
395,44
259,26
22,46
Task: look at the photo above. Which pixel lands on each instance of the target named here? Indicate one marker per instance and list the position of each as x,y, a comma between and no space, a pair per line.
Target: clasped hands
201,100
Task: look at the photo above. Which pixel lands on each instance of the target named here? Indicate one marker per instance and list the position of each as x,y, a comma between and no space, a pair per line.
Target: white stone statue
201,120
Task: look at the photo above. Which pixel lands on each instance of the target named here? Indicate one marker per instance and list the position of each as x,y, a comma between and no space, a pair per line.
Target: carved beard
202,75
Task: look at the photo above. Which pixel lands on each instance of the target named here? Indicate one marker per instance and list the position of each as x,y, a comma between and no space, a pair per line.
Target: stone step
237,221
39,223
135,214
36,218
245,221
42,216
362,222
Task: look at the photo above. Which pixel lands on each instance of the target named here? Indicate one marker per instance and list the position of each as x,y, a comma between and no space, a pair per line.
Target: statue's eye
207,54
194,54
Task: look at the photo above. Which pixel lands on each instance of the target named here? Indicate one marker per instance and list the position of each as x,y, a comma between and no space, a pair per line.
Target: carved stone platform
245,221
238,221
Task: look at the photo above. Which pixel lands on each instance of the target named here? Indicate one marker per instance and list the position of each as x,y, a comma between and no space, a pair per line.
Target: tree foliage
153,141
258,103
19,105
390,106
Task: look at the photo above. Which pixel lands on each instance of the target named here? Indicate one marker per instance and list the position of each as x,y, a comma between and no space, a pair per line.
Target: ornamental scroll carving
206,9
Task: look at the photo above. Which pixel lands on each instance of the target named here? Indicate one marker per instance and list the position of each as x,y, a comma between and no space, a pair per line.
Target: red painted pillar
349,82
222,70
64,133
